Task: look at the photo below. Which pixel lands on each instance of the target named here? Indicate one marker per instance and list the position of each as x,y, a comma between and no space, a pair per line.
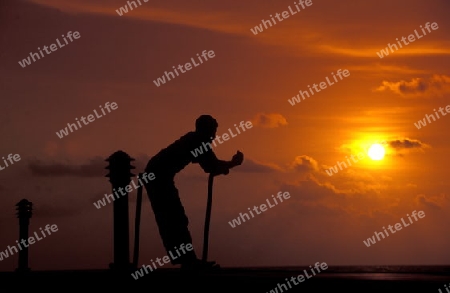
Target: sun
376,152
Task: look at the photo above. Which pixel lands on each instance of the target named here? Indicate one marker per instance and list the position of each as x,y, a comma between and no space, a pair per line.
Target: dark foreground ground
235,280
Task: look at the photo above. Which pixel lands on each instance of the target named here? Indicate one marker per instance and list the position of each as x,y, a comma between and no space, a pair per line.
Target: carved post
120,176
24,212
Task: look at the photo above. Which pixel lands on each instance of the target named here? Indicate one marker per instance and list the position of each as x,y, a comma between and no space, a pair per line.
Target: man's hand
224,167
238,158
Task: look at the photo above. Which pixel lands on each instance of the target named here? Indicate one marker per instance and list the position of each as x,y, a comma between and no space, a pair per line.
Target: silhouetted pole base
207,218
24,213
137,225
120,176
122,268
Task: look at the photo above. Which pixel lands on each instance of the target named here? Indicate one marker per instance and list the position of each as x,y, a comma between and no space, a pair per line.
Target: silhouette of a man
169,212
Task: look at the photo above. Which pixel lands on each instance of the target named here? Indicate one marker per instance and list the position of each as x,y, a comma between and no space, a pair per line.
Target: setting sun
376,152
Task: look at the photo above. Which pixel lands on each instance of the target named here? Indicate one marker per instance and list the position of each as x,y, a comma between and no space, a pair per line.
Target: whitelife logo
411,38
284,14
53,48
90,118
124,9
107,197
10,158
360,156
187,67
27,242
162,261
199,151
423,123
280,195
300,278
322,85
398,227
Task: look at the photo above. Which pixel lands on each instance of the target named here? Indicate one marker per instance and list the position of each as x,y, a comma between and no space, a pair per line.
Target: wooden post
120,176
137,224
24,212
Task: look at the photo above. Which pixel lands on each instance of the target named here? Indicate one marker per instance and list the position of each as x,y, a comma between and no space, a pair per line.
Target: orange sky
251,78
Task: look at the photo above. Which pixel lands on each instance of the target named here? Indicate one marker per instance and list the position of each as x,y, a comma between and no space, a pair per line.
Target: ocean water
386,273
413,269
348,279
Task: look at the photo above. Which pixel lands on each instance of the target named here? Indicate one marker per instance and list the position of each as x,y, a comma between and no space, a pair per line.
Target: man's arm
211,164
223,167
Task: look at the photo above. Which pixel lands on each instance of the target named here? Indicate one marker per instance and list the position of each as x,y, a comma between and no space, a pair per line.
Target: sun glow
376,152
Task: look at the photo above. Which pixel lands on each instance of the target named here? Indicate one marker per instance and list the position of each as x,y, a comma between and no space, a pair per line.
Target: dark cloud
435,202
43,188
271,120
251,166
436,85
304,164
94,168
311,197
401,144
248,166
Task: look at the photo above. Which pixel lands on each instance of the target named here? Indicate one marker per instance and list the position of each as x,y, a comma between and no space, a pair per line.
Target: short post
120,176
137,224
24,212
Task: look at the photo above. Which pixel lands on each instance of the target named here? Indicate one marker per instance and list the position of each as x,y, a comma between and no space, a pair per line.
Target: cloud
251,166
95,168
435,202
192,15
436,85
271,120
378,69
368,52
304,164
409,144
311,192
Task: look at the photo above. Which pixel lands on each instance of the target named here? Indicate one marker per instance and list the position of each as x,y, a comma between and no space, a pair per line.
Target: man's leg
171,219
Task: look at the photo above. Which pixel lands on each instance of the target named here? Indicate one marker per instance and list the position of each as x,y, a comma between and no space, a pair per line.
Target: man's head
206,126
